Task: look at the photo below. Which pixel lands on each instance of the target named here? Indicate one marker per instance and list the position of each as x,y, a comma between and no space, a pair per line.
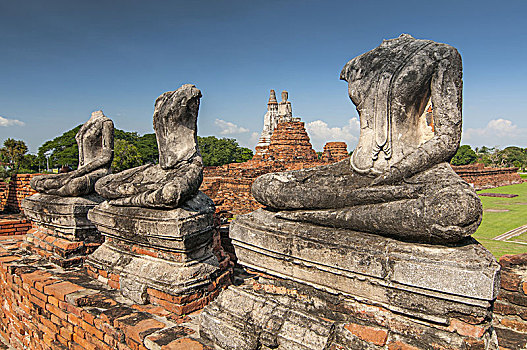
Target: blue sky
61,60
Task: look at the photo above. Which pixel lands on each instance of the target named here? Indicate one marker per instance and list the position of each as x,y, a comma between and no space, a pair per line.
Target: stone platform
61,230
166,257
48,307
326,288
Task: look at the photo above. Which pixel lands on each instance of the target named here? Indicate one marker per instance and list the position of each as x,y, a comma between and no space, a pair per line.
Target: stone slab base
325,288
66,216
57,248
61,230
367,265
46,307
162,256
148,277
273,313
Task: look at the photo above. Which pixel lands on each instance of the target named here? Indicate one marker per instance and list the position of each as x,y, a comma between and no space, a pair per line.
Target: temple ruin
365,252
276,113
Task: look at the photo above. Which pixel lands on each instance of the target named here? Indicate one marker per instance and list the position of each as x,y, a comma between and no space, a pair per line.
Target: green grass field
496,223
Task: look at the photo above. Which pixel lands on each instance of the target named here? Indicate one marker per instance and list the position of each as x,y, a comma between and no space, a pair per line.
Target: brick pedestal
45,307
58,249
61,230
510,310
164,257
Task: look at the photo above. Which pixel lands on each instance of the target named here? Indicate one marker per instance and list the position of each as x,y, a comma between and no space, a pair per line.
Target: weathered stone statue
95,141
59,211
344,252
179,173
159,228
395,171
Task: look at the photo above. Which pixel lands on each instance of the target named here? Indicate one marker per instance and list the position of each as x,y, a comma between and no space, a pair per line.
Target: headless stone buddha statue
398,181
95,141
179,173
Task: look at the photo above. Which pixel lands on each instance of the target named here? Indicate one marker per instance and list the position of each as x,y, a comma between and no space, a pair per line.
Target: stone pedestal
61,230
326,288
163,257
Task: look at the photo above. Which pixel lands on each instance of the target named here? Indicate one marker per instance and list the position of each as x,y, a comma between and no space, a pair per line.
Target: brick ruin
487,177
12,193
510,309
284,145
45,306
14,224
276,113
3,195
334,152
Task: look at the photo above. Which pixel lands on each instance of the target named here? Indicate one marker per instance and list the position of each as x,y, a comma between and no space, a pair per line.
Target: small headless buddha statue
179,173
95,141
398,181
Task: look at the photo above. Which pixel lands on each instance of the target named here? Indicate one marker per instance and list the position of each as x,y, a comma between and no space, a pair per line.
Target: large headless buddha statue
179,173
95,141
398,181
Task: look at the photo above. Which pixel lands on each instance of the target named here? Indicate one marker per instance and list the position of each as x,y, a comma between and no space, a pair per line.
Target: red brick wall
483,177
3,195
46,308
510,310
14,226
334,152
18,189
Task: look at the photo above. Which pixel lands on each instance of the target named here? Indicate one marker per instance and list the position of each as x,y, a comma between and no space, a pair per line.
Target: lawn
496,223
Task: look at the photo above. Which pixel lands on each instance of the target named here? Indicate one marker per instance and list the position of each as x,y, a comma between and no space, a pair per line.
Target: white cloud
498,132
248,140
320,132
255,136
228,128
10,122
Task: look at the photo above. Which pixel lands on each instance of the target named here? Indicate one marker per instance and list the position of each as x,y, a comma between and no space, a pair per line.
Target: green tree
130,136
62,150
222,151
13,153
243,154
514,156
485,150
464,155
137,150
30,164
125,156
147,146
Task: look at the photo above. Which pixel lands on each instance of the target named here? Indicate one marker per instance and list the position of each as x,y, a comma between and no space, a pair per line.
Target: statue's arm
105,160
446,92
